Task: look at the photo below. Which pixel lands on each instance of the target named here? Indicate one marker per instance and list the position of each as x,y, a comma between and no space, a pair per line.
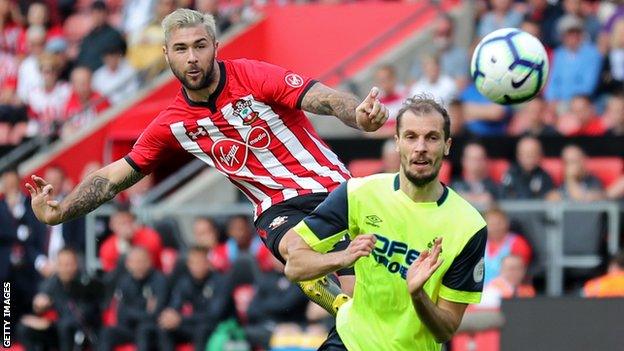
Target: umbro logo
373,220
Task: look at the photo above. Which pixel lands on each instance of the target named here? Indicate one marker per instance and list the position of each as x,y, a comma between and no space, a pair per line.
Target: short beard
421,182
203,84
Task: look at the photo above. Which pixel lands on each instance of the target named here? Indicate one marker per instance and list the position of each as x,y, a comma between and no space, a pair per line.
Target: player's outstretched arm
97,188
443,318
368,115
303,263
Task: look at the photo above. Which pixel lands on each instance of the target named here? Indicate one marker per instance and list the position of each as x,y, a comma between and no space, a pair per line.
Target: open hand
361,246
423,268
371,114
46,210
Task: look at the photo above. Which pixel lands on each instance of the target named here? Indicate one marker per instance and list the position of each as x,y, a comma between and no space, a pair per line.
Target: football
509,66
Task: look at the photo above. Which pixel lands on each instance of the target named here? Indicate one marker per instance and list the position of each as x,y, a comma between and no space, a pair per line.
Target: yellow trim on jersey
459,296
315,243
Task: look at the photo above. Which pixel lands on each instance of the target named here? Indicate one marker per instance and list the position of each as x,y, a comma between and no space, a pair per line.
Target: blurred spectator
475,185
8,78
502,15
142,295
136,15
278,303
575,65
58,47
188,317
502,243
126,234
612,72
222,21
69,234
205,233
10,28
392,93
116,79
390,157
509,284
39,15
483,117
453,59
134,196
526,179
145,47
610,284
440,86
100,39
581,120
531,120
29,76
66,309
84,104
241,240
456,113
579,9
546,15
47,102
578,183
613,116
21,241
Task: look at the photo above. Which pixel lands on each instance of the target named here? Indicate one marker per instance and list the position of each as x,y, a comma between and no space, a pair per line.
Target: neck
202,95
429,192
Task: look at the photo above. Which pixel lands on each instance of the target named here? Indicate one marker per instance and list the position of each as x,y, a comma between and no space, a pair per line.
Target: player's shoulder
376,182
462,209
246,66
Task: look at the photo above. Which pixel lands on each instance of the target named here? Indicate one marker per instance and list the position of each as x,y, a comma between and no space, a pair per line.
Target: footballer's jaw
191,52
422,146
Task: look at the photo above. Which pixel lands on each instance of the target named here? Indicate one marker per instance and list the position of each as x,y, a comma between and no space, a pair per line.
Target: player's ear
216,47
396,143
447,146
164,48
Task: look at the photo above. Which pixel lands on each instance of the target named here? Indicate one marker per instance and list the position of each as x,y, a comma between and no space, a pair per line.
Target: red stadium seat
365,167
497,168
607,169
554,167
482,341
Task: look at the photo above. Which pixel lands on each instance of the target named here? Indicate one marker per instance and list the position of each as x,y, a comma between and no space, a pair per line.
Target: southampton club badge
242,109
277,221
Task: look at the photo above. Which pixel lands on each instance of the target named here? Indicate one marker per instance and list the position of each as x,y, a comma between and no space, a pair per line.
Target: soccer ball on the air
509,66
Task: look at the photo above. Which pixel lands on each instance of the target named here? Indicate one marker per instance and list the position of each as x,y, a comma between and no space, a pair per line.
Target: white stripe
259,194
293,144
266,157
330,155
216,134
193,147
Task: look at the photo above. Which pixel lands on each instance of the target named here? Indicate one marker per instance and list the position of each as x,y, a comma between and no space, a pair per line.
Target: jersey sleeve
463,281
279,85
155,143
327,225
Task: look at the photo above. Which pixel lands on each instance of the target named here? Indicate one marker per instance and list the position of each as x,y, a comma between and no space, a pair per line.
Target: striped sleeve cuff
318,245
459,296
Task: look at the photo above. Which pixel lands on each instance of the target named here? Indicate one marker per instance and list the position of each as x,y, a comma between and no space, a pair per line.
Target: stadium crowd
63,63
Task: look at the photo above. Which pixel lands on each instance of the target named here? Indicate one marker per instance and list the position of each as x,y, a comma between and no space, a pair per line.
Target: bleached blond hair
185,18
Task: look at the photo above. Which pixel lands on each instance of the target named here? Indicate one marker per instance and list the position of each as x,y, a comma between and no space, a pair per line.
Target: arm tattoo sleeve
92,192
323,100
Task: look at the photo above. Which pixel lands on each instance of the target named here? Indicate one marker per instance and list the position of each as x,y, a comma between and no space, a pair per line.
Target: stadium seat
532,226
481,341
607,169
554,167
365,167
497,168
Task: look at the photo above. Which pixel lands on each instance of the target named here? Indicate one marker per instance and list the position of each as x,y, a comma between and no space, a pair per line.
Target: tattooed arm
97,188
368,115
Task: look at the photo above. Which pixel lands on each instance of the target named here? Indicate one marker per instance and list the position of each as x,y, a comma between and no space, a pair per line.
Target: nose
420,145
191,56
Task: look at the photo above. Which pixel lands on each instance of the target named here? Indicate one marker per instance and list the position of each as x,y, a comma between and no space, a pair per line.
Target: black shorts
333,342
275,222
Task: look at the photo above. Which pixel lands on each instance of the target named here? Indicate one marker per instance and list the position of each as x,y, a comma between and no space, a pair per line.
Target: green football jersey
381,315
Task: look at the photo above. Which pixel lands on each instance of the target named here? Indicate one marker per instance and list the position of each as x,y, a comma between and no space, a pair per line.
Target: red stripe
205,143
289,161
298,126
253,161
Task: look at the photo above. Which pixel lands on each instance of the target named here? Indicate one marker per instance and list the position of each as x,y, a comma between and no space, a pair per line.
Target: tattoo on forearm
326,101
93,192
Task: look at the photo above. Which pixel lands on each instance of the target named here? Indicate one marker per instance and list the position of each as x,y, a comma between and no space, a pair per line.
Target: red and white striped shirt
252,130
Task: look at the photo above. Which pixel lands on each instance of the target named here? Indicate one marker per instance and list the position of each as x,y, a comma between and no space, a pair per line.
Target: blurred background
174,262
